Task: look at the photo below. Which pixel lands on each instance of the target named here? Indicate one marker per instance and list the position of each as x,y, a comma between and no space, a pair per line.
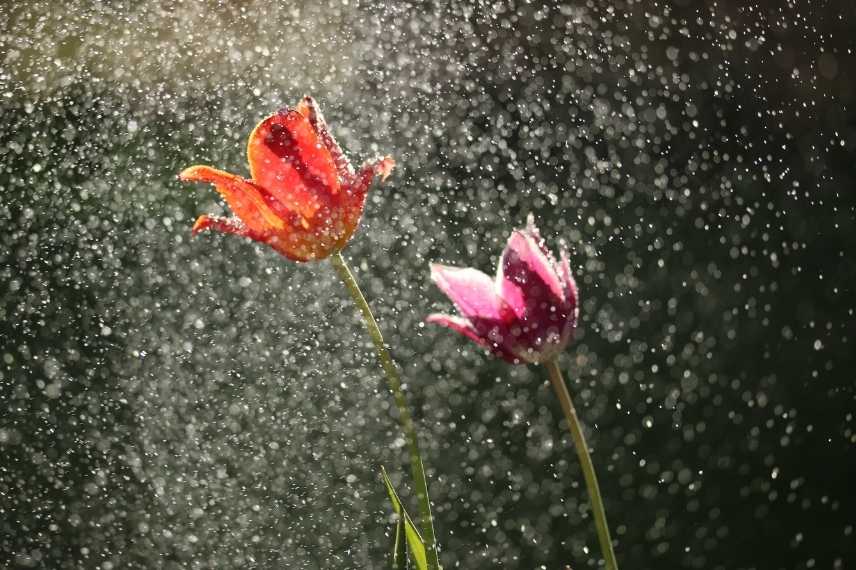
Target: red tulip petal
256,209
362,181
289,160
309,109
458,324
296,245
225,225
470,290
383,167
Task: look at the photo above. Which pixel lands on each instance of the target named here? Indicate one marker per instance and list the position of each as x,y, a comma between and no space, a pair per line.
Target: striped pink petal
571,291
526,272
470,290
457,324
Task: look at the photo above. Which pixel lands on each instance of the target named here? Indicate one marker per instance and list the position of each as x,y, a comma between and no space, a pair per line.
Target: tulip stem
416,467
575,427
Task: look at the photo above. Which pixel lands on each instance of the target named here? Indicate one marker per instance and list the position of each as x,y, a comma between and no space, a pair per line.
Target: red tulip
527,314
304,198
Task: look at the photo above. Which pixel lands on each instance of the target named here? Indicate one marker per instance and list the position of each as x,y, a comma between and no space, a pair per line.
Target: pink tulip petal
470,290
513,296
533,232
526,265
571,292
457,324
473,332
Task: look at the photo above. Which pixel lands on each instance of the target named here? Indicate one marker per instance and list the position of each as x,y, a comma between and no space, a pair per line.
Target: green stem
416,468
580,445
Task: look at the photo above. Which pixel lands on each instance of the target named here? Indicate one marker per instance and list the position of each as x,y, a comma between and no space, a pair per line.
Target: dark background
177,403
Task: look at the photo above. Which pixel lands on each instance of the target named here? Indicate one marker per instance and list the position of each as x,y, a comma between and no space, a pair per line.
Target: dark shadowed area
168,402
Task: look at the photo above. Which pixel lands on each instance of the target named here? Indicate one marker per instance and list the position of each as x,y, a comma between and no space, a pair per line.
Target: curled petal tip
227,226
531,228
201,224
568,280
192,174
458,324
435,318
305,106
202,173
384,167
437,270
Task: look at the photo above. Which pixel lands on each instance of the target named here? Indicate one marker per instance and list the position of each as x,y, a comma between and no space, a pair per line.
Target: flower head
303,197
527,314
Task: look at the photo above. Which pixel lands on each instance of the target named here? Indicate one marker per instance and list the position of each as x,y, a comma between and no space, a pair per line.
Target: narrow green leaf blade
414,539
399,547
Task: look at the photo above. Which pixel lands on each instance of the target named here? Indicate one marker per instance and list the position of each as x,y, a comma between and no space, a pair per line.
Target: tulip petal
525,271
360,183
379,167
471,331
470,290
383,167
309,109
289,160
571,291
255,208
457,324
513,295
225,225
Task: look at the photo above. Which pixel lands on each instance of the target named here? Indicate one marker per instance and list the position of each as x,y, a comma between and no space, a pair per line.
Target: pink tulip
527,314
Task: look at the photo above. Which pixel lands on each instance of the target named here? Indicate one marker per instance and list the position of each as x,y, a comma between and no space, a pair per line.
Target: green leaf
399,547
414,539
